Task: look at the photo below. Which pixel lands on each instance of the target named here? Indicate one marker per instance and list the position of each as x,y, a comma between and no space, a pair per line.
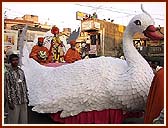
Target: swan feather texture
92,84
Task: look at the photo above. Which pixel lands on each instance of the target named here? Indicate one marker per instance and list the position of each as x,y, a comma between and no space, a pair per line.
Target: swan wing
71,88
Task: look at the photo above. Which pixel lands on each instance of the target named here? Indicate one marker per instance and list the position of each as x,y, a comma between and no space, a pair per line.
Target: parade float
95,90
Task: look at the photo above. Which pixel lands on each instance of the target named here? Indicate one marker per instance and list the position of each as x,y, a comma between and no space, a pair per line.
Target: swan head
143,23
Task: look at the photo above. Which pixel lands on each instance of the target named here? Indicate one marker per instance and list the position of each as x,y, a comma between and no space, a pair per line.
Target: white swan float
93,84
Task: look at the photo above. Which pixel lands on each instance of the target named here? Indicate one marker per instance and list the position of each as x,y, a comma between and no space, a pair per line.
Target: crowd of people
41,54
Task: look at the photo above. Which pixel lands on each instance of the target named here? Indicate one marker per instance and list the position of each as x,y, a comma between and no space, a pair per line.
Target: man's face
73,47
15,62
40,43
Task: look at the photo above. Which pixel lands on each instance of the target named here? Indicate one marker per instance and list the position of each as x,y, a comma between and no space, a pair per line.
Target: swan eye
137,22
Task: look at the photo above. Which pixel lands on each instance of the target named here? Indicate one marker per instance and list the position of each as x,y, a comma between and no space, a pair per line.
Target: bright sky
63,14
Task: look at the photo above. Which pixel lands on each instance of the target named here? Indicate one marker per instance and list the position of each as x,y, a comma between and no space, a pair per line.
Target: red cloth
155,100
34,54
54,64
137,114
40,39
73,42
109,116
55,30
72,56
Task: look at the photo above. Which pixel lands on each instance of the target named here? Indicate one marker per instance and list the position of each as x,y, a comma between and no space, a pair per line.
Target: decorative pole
22,38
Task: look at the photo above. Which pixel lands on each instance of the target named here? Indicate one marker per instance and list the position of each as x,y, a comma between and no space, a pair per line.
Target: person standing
155,99
72,54
17,93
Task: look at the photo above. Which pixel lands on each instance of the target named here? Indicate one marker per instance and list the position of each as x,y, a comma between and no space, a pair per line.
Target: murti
57,49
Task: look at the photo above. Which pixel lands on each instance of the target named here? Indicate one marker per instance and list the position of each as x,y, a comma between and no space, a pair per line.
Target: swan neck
130,52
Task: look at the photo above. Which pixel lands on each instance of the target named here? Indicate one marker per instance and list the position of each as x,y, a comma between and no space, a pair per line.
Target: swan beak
152,33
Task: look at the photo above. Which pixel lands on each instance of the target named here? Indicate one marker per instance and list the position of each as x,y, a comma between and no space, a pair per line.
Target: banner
10,40
81,15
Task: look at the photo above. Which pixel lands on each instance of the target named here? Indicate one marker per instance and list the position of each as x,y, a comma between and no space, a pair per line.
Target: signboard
10,40
81,15
96,25
86,25
90,24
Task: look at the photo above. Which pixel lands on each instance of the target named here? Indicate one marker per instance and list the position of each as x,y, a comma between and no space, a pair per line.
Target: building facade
105,38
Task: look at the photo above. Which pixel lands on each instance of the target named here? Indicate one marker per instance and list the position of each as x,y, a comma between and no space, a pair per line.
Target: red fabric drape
93,117
155,100
108,116
72,56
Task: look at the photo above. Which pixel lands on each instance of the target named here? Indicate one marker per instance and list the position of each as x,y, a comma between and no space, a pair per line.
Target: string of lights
104,9
117,11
